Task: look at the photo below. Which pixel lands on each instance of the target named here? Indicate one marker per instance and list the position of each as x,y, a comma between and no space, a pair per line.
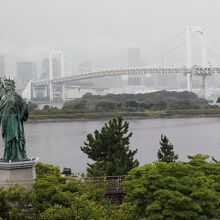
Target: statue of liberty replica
13,112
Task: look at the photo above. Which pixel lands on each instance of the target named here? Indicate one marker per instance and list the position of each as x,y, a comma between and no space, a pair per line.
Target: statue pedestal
18,173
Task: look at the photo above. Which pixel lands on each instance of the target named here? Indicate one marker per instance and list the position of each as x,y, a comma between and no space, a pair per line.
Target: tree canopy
174,190
177,191
159,100
166,152
109,148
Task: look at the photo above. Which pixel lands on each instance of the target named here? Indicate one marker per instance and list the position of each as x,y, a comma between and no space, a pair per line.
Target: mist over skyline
99,31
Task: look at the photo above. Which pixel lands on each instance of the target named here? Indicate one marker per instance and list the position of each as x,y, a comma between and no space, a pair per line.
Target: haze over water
59,143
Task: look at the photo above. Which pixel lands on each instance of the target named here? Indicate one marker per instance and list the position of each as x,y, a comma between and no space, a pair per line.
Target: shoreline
108,117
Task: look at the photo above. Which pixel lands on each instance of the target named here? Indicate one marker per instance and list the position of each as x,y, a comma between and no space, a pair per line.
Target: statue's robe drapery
13,111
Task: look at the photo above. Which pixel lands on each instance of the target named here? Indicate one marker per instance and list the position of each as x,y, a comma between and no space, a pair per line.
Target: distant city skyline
26,71
99,31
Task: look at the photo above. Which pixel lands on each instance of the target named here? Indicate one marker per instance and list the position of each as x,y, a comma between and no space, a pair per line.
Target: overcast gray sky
99,31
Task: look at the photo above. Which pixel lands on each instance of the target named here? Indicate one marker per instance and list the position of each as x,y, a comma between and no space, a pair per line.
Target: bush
174,190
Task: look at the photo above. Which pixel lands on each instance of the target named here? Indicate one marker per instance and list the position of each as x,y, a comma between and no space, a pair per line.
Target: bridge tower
199,30
52,54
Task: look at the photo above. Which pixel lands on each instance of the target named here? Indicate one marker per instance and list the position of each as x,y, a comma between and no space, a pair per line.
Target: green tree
109,148
32,107
198,159
43,169
166,152
57,197
46,107
57,212
81,208
15,203
174,191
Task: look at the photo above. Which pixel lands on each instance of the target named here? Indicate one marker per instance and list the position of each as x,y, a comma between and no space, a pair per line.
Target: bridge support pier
204,86
189,82
32,91
51,91
50,75
63,92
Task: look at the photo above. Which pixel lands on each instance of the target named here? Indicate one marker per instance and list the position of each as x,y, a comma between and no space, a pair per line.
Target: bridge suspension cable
72,62
177,46
83,68
214,37
208,44
161,49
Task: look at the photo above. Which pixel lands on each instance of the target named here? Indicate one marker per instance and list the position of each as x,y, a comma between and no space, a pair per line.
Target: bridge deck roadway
131,71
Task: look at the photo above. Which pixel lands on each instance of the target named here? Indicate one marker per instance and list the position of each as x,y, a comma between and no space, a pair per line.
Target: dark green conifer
109,148
166,152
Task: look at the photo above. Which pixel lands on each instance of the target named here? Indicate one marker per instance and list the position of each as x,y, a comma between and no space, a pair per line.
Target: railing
197,70
111,184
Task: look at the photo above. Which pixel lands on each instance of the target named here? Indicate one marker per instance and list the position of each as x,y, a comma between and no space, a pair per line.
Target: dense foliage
55,197
109,148
160,190
137,102
174,190
155,104
32,107
166,152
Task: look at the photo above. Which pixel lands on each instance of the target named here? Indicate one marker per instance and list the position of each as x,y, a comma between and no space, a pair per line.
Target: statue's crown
7,81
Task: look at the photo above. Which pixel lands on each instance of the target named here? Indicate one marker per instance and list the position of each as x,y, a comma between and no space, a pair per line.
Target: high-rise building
2,65
45,69
26,71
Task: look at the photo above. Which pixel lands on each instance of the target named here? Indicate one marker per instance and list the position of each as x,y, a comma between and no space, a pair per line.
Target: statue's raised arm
13,112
